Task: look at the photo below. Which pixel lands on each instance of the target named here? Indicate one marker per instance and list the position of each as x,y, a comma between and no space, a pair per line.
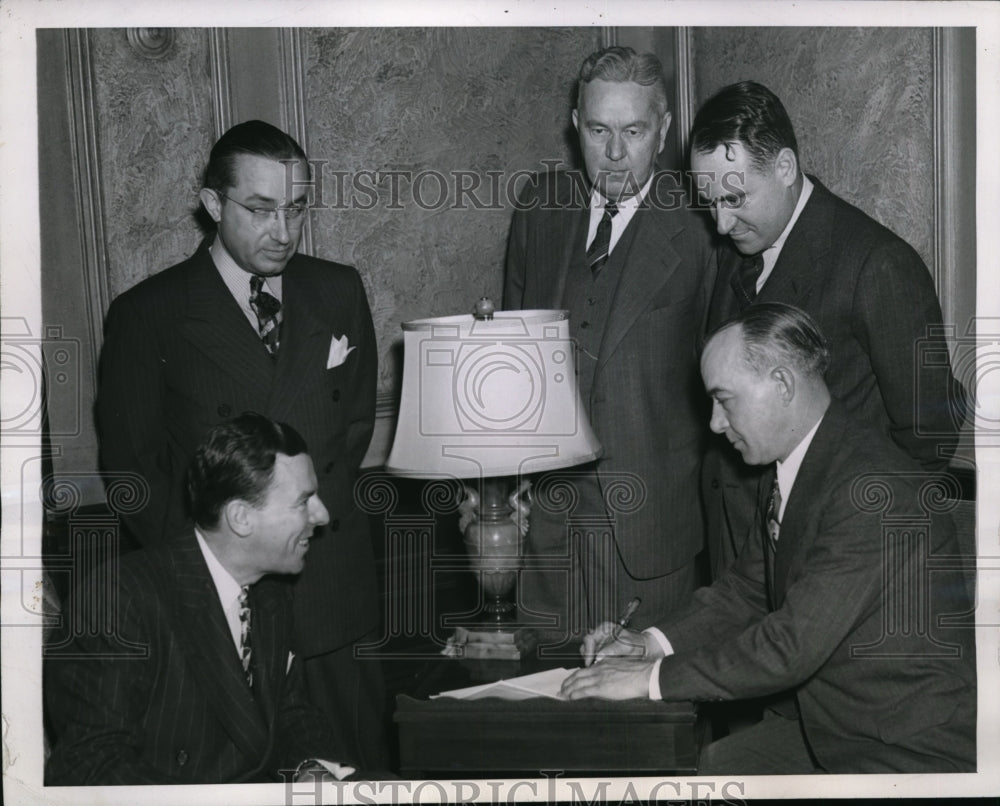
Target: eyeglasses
265,215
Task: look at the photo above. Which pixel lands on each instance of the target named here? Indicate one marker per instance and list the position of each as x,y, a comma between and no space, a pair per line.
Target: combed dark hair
254,137
778,334
235,460
624,64
747,113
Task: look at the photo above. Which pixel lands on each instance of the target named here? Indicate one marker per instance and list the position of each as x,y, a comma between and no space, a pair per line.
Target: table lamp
490,398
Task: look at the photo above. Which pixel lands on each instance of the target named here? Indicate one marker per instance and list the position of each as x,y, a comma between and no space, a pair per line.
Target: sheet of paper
540,684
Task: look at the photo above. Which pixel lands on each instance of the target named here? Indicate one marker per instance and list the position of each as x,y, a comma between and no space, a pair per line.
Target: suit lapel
809,484
647,266
564,252
305,339
217,327
802,256
271,651
211,654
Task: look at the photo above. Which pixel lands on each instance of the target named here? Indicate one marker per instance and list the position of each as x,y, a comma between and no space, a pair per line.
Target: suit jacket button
715,484
328,467
335,524
584,325
335,395
182,757
224,410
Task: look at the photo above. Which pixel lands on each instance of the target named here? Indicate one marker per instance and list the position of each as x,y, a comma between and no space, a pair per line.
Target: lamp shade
490,397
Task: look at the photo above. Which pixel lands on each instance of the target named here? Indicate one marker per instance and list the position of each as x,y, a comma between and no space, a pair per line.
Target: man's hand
598,644
613,679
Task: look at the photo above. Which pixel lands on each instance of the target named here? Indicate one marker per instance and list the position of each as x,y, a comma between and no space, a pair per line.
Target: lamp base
512,644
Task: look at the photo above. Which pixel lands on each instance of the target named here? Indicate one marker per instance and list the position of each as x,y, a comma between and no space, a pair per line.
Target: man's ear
240,516
664,128
786,167
785,382
212,203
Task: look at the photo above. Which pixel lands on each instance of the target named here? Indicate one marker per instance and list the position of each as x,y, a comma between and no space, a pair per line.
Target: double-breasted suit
164,700
180,356
873,299
637,366
848,615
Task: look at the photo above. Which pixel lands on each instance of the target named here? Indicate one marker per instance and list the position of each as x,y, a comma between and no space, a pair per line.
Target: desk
453,738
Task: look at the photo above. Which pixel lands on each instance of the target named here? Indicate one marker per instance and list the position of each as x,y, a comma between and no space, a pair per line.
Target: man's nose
616,148
724,219
279,227
318,514
718,423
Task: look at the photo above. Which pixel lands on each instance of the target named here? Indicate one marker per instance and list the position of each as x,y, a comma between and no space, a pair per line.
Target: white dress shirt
787,471
626,209
227,589
770,254
238,281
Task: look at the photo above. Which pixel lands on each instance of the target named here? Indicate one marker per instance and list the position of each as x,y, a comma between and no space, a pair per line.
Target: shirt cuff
660,639
654,681
339,771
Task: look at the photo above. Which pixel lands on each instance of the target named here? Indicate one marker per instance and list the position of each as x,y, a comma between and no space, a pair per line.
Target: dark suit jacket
647,404
874,300
845,615
179,356
183,713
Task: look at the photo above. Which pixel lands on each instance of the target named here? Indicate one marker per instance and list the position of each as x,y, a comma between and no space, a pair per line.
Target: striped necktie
600,248
268,310
245,650
773,510
744,280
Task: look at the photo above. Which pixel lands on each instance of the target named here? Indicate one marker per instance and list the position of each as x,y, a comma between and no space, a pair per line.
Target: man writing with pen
830,614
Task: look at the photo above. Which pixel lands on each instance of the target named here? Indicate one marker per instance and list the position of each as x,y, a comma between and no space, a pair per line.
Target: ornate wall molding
292,101
222,102
151,43
86,172
954,262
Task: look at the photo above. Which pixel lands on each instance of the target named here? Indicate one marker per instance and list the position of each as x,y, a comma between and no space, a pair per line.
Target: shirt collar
789,469
227,588
236,279
629,205
804,194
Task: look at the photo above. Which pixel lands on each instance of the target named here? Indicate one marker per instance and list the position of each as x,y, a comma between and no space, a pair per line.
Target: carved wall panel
861,103
155,128
430,104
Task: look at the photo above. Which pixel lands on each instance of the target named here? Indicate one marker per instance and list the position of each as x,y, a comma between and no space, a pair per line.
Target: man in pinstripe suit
193,687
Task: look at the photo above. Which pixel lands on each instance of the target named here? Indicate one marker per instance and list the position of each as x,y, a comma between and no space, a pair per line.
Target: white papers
540,684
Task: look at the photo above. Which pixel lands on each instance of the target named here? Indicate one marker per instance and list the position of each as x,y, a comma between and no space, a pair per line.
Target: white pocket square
291,657
338,352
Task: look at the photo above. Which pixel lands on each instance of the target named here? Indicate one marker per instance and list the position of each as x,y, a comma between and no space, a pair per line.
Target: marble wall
861,102
413,115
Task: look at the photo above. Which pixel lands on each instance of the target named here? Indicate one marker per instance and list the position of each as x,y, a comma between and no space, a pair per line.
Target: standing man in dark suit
829,608
628,260
791,240
246,323
216,696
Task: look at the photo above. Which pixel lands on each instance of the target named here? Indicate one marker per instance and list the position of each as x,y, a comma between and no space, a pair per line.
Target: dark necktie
597,254
744,280
245,651
267,309
773,509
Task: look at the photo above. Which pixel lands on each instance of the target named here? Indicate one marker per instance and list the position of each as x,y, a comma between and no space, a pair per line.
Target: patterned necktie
597,254
245,650
744,280
773,508
268,311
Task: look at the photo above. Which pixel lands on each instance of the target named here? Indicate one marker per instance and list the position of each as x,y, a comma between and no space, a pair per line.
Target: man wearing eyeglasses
247,323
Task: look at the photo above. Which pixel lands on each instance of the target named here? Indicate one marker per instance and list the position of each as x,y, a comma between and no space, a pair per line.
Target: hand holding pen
613,639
